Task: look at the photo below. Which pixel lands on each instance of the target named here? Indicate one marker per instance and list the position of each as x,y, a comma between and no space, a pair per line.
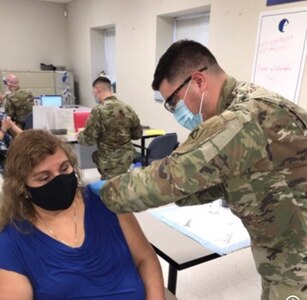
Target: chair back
28,121
162,146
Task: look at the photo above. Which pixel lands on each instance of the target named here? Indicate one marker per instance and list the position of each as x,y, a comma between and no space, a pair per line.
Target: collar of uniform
15,90
110,98
226,96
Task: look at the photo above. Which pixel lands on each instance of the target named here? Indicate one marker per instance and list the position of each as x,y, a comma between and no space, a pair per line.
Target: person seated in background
111,126
18,102
58,240
8,129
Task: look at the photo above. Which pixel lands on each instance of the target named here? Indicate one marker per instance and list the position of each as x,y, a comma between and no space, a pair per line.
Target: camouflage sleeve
205,196
9,107
222,147
19,103
30,98
136,129
94,128
26,96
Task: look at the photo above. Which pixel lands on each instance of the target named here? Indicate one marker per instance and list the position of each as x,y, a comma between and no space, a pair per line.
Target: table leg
172,279
143,147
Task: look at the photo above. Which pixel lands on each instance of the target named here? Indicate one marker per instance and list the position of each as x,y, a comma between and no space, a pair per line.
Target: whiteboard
281,49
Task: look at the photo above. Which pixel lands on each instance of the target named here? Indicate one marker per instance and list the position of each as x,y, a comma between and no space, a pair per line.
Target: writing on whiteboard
276,45
281,51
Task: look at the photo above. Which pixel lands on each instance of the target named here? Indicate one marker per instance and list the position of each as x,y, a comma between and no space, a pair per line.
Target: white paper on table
213,226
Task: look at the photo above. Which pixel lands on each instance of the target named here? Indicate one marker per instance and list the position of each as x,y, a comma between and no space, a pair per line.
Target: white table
180,251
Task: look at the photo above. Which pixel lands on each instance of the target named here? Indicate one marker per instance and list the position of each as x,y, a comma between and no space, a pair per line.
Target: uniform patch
232,128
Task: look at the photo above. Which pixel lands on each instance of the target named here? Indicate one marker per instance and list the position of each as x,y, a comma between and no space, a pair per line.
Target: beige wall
32,32
233,31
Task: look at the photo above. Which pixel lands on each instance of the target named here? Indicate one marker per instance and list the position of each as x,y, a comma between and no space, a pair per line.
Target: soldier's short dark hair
180,59
103,80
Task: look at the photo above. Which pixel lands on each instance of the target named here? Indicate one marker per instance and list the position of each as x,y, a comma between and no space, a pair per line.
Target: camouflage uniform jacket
18,104
253,154
111,126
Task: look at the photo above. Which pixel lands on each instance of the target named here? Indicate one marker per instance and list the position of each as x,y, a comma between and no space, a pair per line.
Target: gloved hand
96,186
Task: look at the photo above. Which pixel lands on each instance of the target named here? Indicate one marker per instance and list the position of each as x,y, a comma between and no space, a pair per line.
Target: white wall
32,32
233,31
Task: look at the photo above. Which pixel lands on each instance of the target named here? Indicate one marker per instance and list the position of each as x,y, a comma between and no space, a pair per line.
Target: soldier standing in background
18,102
111,126
248,145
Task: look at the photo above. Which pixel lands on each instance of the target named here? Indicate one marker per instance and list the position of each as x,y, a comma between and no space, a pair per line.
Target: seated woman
58,240
7,130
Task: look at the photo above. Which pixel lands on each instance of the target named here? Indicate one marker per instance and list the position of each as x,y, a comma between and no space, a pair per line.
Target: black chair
28,121
160,147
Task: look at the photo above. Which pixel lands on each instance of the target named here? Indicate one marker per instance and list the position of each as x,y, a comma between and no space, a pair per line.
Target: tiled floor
232,277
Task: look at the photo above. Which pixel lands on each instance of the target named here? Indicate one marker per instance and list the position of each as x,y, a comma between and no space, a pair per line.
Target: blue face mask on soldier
185,117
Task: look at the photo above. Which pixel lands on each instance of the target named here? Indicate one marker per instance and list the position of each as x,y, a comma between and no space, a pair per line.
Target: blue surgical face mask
95,94
185,117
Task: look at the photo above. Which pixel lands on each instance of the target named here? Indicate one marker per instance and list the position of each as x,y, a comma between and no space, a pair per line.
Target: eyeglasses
169,103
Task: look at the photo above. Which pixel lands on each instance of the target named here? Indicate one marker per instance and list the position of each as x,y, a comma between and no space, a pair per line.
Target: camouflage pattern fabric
18,104
111,126
281,291
253,154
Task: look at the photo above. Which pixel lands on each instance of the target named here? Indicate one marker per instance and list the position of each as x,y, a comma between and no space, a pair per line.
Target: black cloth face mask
57,194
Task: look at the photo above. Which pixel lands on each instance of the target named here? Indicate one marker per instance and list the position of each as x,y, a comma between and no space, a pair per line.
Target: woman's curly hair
28,149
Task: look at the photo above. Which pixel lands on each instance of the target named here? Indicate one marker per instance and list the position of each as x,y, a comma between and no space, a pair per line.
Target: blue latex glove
137,165
96,186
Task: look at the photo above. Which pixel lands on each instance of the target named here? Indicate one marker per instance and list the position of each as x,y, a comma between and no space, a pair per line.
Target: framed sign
281,49
275,2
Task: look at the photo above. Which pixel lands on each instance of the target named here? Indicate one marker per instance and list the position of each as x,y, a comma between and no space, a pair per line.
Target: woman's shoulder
96,211
8,238
13,230
12,242
4,233
92,198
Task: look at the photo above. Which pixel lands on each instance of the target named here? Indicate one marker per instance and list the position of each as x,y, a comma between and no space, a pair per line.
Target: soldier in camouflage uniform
18,102
111,126
250,148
